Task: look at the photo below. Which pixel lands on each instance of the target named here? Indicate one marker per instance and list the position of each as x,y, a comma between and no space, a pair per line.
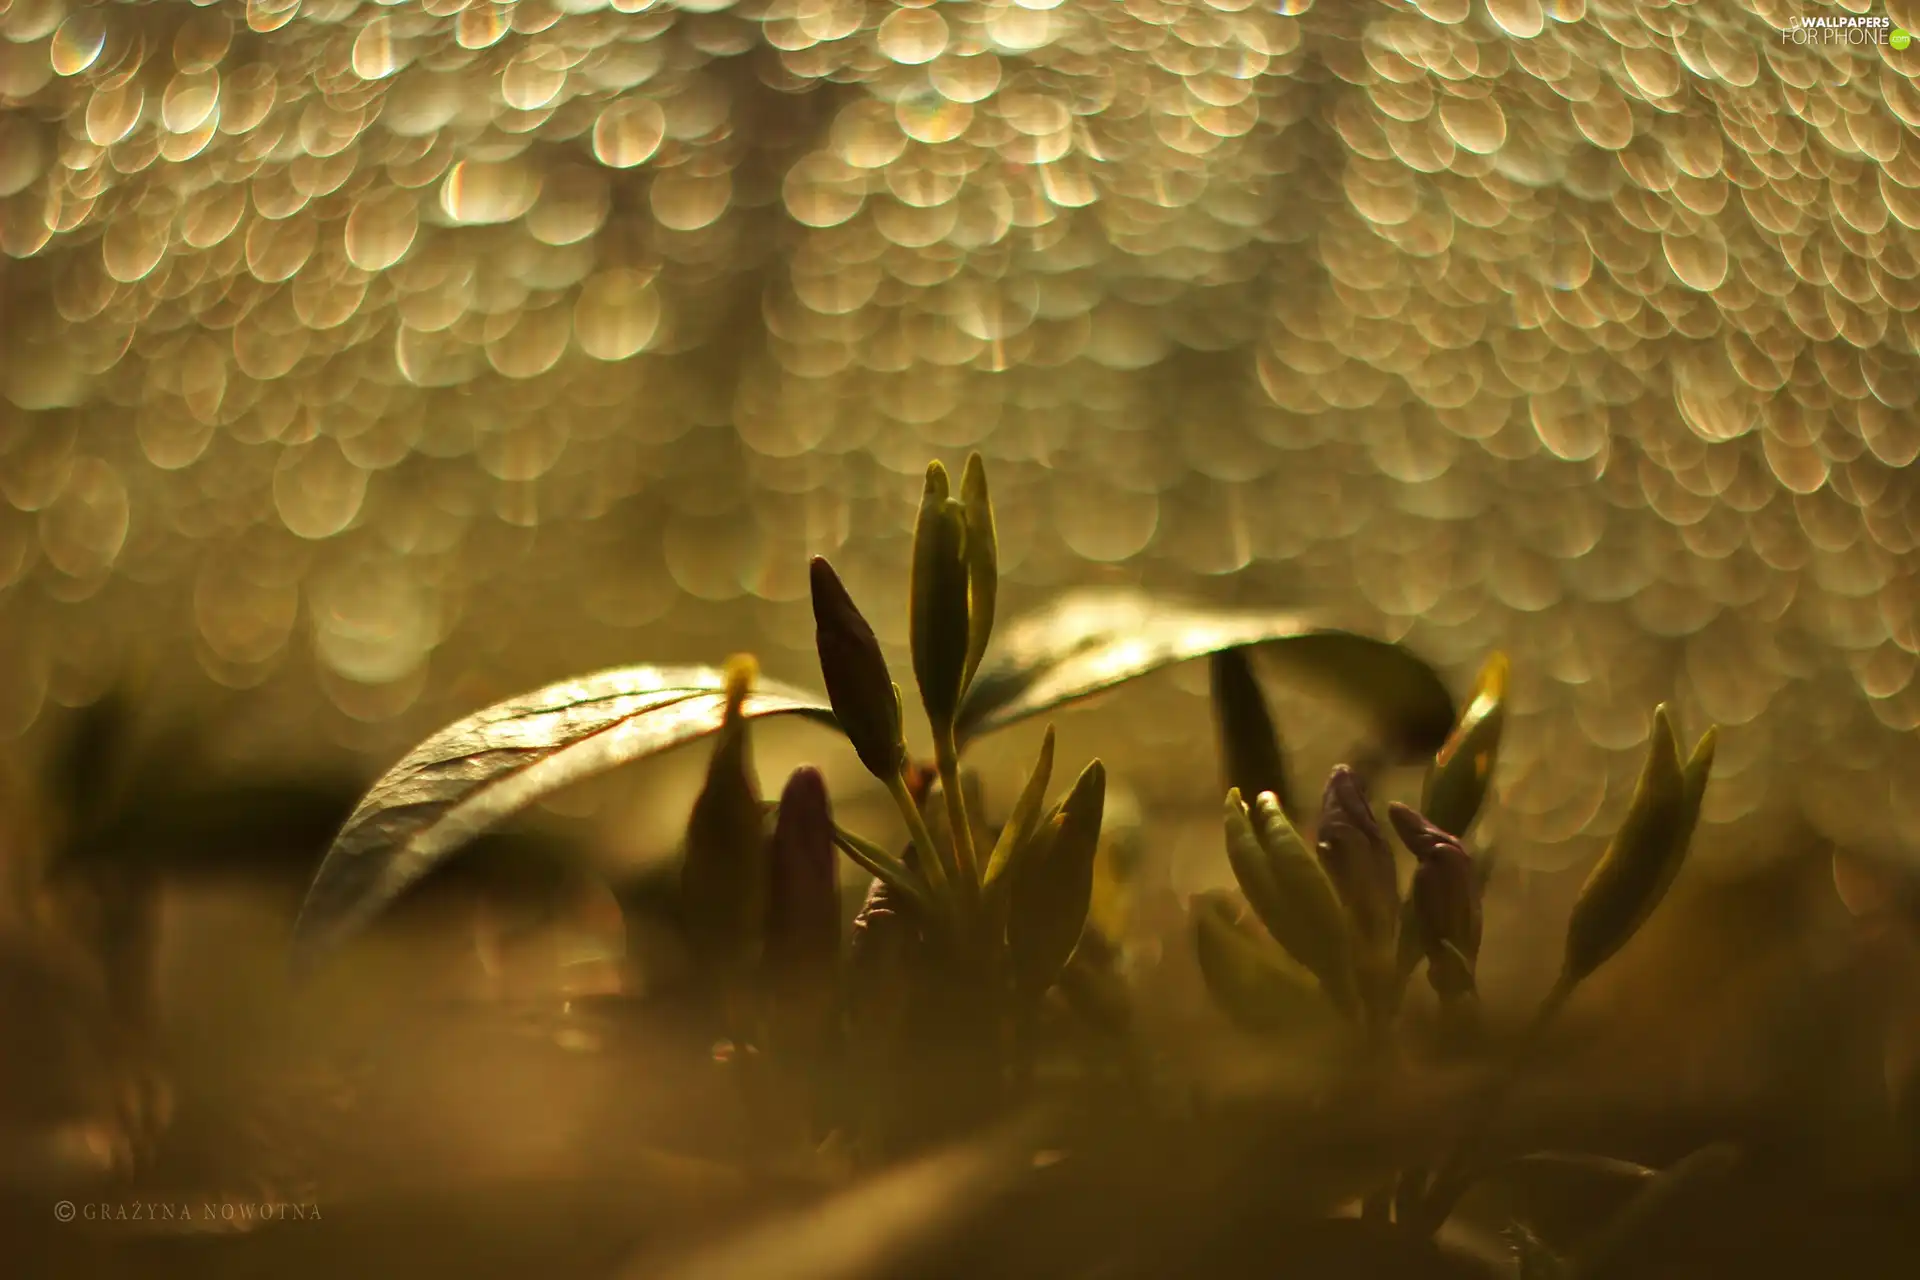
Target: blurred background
366,363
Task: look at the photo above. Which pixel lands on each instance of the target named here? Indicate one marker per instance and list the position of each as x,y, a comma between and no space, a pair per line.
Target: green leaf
1091,641
884,866
938,622
1251,980
1025,818
1632,1240
983,562
1251,759
473,774
1047,907
1640,863
1462,770
1289,891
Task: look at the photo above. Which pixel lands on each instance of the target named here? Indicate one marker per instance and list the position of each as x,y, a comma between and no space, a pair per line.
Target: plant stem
1454,1176
936,869
946,758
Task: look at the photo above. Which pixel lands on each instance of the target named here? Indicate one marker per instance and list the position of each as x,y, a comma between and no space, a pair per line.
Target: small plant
1322,930
928,1017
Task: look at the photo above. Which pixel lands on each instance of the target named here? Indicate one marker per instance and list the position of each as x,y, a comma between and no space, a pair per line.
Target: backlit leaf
495,763
1091,641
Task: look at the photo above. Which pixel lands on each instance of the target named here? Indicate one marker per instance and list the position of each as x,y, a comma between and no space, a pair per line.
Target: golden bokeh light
340,335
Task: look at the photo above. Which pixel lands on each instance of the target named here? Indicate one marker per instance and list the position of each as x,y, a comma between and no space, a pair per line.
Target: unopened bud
1445,899
1357,859
803,909
858,683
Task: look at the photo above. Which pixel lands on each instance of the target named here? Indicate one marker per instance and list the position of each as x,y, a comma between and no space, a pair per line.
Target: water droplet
932,119
373,622
823,191
628,132
533,345
1103,523
1570,427
867,137
965,77
132,247
248,97
616,314
202,41
532,80
1700,261
212,214
913,36
190,100
574,202
482,25
376,54
316,490
1476,124
271,15
83,530
381,229
78,42
243,619
23,156
112,113
478,192
688,202
1521,19
278,249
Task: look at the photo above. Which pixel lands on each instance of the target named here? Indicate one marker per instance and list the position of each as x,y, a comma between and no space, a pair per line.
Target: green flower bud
1644,856
1053,888
1256,986
1289,891
865,700
983,563
940,623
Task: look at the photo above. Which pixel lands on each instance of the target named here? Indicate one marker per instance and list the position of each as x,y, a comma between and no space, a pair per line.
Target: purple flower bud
1446,901
858,684
803,911
1357,858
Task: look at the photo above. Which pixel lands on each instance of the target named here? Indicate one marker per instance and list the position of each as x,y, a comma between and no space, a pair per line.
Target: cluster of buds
1330,906
998,925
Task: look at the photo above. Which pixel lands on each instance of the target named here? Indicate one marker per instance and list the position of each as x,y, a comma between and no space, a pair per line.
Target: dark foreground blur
455,1098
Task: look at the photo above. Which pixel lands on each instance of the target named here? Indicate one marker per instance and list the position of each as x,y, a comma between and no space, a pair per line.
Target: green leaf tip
983,564
1645,855
1291,893
1052,893
939,619
1018,834
1462,770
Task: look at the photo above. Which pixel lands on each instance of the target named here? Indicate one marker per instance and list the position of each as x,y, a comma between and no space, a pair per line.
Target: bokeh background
365,363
